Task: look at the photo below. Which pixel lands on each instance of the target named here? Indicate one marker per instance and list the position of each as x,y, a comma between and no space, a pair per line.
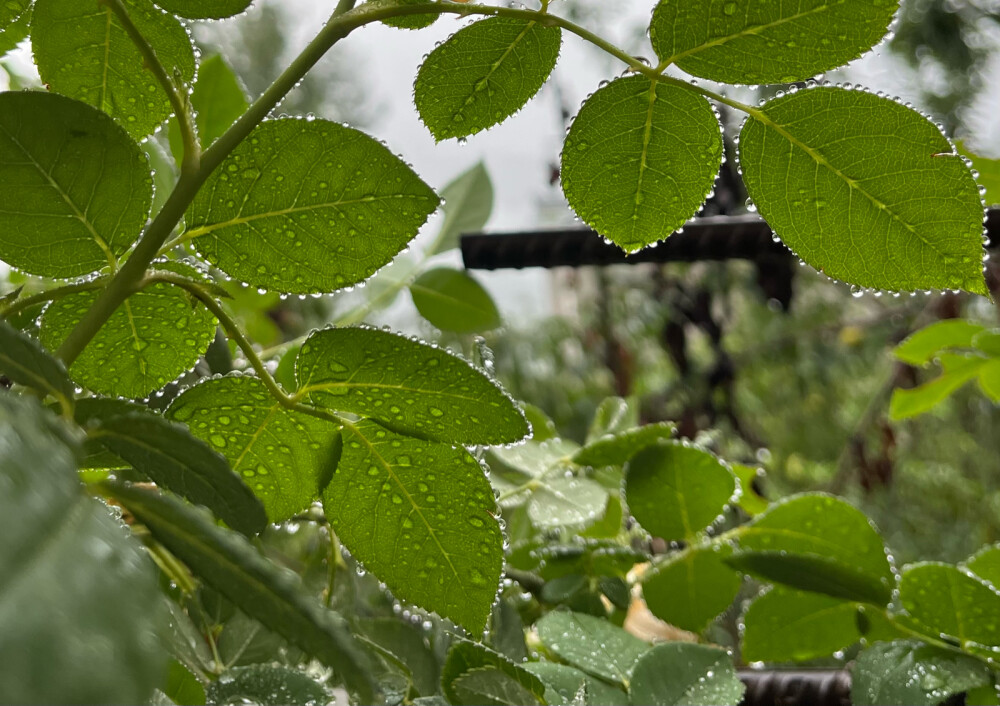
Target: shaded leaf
594,645
467,205
24,361
218,99
204,9
153,337
816,542
785,625
171,457
476,676
307,207
10,10
640,159
281,454
407,21
407,386
407,645
83,51
454,301
691,588
567,502
14,32
755,41
266,685
64,621
182,687
82,188
230,565
921,347
910,220
675,490
421,516
483,74
912,674
948,601
614,415
682,673
617,448
563,682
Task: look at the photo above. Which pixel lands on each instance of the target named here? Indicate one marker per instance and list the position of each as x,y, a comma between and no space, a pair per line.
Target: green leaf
785,625
24,361
910,220
682,673
816,542
153,337
985,695
81,186
921,347
281,454
986,564
909,673
755,41
640,159
204,9
230,565
752,502
407,645
614,415
958,370
182,686
483,74
218,99
10,10
76,593
421,516
989,174
83,51
594,645
616,449
988,342
567,502
691,588
467,205
307,207
562,684
989,380
407,386
12,34
675,490
454,301
407,21
174,459
266,685
476,676
948,601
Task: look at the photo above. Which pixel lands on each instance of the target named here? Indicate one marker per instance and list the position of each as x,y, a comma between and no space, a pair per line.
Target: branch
48,295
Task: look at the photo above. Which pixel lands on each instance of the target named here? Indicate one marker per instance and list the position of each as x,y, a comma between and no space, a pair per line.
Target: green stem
48,295
178,102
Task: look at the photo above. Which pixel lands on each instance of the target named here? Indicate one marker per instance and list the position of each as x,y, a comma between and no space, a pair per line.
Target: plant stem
178,102
51,294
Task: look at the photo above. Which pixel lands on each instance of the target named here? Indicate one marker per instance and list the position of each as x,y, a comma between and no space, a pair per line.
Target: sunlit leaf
920,348
483,74
84,52
81,187
756,41
407,386
913,674
307,206
910,219
691,588
640,160
594,645
958,370
454,301
685,674
752,502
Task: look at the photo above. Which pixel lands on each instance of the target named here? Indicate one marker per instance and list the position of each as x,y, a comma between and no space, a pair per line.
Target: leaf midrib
493,69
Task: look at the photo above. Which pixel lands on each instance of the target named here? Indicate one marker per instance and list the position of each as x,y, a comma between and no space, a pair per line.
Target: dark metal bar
817,687
715,238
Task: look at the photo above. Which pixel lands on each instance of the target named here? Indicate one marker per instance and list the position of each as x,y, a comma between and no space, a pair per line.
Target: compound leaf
77,190
280,453
83,51
907,673
225,561
910,219
24,361
407,386
948,601
685,674
421,516
474,676
454,301
483,74
171,457
785,625
596,646
467,202
755,41
675,490
307,206
204,9
816,542
640,159
691,588
153,337
76,594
